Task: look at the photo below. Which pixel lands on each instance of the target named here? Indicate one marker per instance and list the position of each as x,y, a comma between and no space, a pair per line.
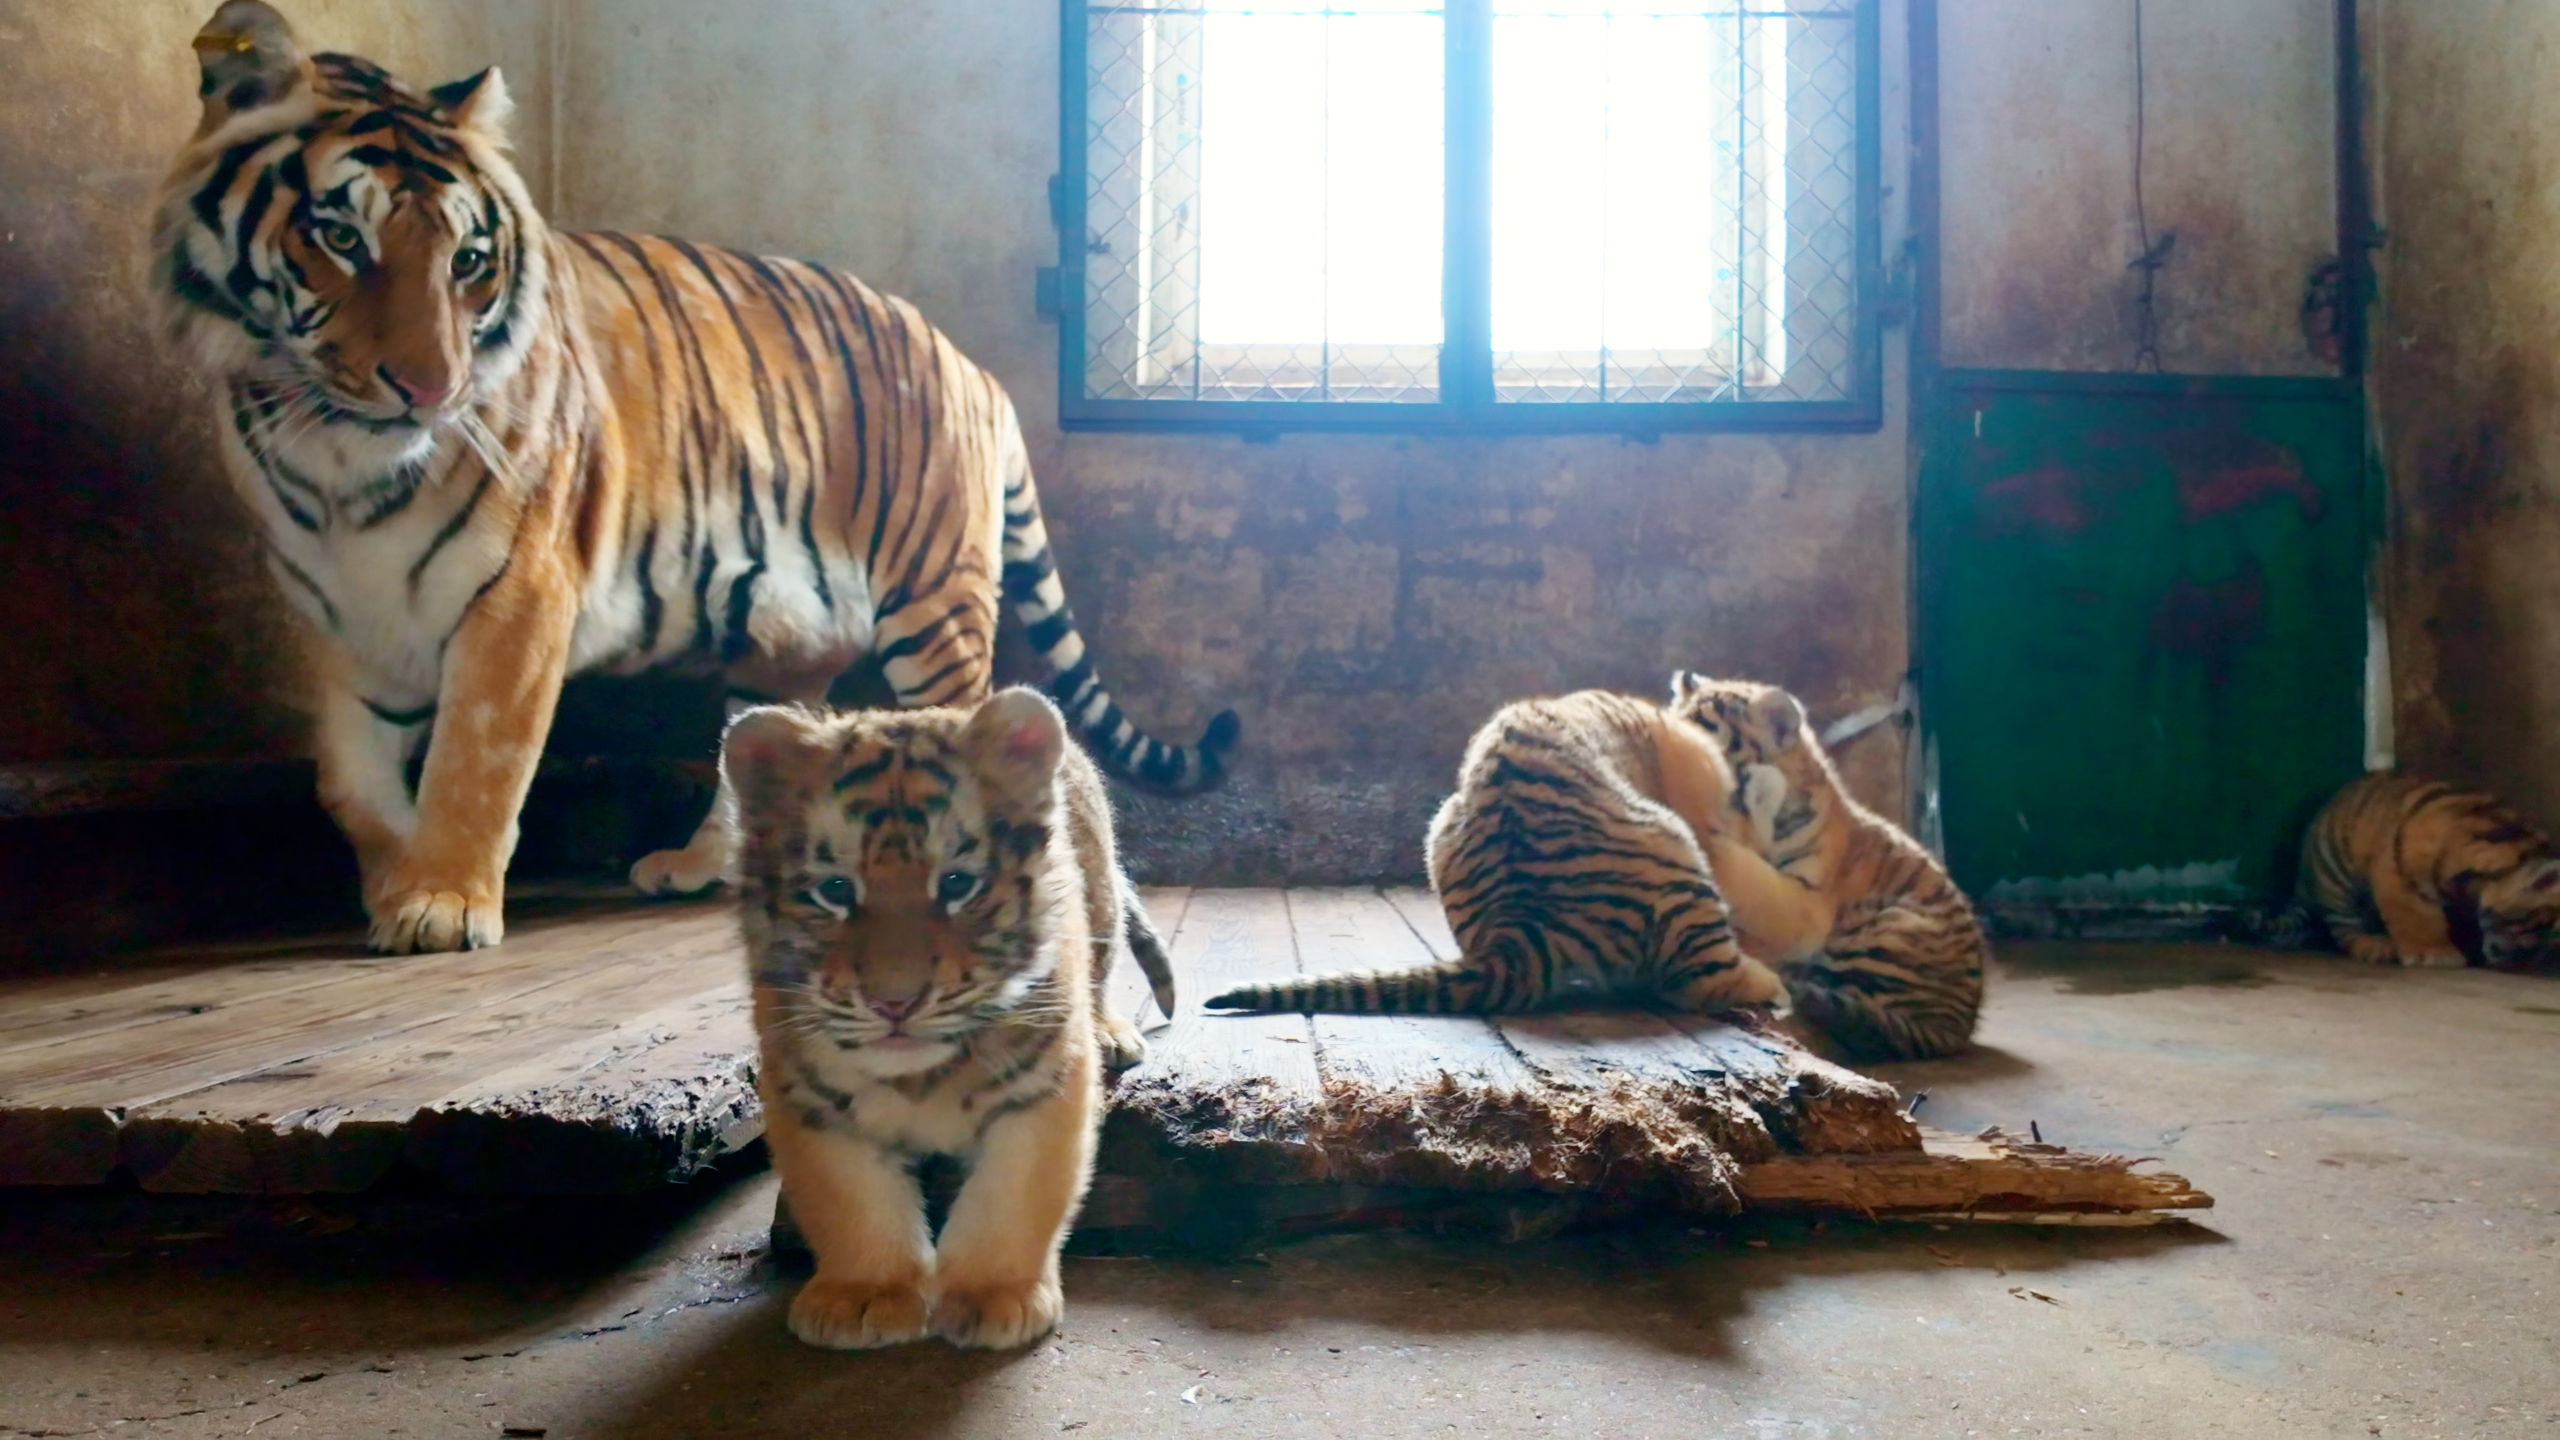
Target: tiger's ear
1685,684
249,59
1017,739
479,103
1781,715
765,749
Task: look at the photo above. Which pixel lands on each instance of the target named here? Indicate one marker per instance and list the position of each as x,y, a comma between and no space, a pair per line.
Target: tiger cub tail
1450,987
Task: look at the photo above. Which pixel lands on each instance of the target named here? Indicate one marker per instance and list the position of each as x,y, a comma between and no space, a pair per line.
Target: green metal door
2143,631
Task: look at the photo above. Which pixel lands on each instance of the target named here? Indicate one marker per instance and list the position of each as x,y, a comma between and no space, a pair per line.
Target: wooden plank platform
600,1049
607,1047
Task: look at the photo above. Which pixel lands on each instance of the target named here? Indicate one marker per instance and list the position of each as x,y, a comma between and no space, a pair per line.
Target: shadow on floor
400,1267
1669,1286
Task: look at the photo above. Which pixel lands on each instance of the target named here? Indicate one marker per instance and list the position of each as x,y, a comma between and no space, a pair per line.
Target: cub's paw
998,1317
1121,1044
676,872
2433,959
1754,984
2372,949
418,920
851,1315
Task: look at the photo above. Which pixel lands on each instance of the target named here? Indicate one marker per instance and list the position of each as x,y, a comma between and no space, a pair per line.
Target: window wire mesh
1766,131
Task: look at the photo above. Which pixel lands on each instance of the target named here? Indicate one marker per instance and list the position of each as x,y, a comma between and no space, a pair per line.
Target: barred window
1468,214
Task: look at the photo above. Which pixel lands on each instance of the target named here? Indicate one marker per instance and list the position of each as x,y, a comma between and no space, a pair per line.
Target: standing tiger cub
931,905
2395,865
1569,865
485,455
1879,949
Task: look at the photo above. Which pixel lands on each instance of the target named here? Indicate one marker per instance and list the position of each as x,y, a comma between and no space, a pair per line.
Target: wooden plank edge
50,790
1992,1175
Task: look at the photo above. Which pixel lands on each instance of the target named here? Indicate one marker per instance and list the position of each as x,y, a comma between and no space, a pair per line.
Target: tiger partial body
2394,864
1878,947
932,906
1568,862
485,455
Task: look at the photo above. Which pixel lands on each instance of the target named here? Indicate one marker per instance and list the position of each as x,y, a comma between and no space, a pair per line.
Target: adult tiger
486,455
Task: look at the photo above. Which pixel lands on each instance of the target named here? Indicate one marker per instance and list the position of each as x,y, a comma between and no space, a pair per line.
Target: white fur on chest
388,591
948,1119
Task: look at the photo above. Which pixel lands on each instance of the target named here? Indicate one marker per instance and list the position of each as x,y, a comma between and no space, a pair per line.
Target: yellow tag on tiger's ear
236,44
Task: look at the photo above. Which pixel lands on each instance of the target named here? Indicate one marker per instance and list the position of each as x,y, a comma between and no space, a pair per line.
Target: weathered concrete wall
134,620
1363,602
2466,382
2038,200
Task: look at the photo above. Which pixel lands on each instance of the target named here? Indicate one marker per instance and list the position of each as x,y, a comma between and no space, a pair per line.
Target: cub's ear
766,748
249,58
478,103
1781,714
1686,684
1018,738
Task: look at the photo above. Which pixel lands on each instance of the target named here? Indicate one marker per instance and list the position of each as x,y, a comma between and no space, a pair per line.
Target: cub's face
1762,731
899,892
2520,919
1754,724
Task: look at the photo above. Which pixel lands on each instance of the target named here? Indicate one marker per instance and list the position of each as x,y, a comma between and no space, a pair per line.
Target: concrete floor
2384,1261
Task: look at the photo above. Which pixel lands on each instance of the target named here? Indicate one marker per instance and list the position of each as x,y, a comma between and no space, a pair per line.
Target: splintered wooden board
1235,1120
607,1046
599,1049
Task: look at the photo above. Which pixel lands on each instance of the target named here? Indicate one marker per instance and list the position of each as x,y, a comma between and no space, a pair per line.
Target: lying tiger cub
931,905
2395,863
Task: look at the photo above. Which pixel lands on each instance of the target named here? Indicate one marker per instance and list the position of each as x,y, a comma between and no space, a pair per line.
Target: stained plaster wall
1363,602
2466,385
2038,205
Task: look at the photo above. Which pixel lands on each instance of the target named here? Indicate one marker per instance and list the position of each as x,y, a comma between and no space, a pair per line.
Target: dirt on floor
2384,1260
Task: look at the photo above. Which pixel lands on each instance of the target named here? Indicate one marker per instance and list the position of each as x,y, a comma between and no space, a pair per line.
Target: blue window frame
1468,216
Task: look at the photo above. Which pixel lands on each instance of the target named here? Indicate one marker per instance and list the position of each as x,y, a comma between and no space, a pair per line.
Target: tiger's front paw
857,1315
2372,949
418,919
999,1316
2447,959
676,872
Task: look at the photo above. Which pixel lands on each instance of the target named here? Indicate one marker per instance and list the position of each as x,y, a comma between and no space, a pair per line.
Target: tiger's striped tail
1031,585
1459,987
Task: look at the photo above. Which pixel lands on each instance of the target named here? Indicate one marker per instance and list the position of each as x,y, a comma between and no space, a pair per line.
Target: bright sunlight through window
1668,212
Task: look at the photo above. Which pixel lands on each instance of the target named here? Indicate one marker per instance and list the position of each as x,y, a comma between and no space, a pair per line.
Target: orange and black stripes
1565,877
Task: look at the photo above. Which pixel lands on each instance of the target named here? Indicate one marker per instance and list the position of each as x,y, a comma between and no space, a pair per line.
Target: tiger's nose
894,1011
420,392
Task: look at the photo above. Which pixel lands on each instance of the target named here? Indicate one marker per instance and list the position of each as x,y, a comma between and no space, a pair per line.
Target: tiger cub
2395,863
1569,866
931,905
1879,949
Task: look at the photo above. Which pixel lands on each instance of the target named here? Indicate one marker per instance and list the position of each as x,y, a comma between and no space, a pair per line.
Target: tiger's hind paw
676,872
1120,1043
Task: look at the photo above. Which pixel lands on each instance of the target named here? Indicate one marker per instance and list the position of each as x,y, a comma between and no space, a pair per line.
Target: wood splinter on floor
609,1049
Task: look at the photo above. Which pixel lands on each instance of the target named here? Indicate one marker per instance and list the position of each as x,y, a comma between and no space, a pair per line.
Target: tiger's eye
470,264
343,238
836,893
954,887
